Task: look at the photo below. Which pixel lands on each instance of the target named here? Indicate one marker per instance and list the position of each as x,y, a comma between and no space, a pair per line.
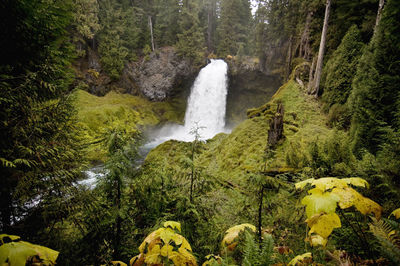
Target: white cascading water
206,106
207,102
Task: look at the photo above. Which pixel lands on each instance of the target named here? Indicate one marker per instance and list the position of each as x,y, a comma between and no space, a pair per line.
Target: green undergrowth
96,115
231,157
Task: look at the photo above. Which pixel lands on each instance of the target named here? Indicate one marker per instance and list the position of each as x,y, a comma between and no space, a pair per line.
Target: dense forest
306,172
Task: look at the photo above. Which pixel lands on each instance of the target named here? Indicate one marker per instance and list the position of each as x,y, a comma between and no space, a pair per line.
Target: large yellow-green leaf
319,201
350,197
166,250
323,224
326,183
15,253
304,258
153,256
367,206
46,254
173,225
356,181
302,184
396,213
150,240
234,231
166,235
11,237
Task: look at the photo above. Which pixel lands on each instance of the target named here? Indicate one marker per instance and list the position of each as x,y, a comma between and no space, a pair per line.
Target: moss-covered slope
96,114
230,157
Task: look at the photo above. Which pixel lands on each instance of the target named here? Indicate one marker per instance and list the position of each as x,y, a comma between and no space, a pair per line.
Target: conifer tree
38,143
233,27
374,99
341,68
191,42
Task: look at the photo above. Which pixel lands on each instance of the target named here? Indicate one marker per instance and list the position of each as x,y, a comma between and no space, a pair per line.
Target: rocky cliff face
162,74
248,88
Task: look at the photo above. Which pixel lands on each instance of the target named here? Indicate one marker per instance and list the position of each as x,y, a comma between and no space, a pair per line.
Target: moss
232,157
95,114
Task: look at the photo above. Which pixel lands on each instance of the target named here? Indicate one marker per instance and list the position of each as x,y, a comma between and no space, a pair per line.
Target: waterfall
206,106
207,102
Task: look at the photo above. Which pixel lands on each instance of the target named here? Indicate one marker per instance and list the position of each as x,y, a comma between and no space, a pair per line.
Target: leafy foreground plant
323,200
387,233
13,251
165,246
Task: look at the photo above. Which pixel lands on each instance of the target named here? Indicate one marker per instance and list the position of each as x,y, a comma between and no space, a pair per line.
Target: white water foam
206,107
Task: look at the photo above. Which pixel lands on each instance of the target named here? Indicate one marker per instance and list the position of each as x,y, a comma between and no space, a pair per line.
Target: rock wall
158,76
248,88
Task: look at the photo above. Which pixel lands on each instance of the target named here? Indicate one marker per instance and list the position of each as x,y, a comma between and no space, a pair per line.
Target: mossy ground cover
97,114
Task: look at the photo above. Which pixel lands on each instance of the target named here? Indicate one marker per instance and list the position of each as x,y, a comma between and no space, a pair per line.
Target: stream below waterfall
205,112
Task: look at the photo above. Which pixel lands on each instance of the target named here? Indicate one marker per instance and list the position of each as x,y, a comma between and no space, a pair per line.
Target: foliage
373,104
322,201
13,251
164,245
304,258
39,142
255,254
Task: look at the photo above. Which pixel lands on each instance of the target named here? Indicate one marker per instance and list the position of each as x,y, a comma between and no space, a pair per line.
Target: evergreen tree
341,68
167,28
38,143
233,27
375,86
191,40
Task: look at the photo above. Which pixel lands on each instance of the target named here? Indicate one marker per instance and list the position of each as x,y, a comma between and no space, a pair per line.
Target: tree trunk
304,50
311,76
151,33
289,57
211,25
379,15
318,70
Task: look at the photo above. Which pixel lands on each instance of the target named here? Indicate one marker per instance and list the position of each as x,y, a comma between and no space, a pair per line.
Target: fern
388,239
253,254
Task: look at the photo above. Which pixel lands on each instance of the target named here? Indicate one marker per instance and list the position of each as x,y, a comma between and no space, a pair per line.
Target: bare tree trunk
211,24
289,57
379,15
318,70
304,50
311,76
151,33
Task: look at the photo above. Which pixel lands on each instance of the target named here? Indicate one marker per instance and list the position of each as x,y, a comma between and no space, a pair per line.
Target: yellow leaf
173,225
153,256
348,196
234,231
12,237
319,202
118,263
396,213
300,258
166,235
323,224
154,237
137,260
166,250
302,184
367,206
317,240
326,183
356,181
